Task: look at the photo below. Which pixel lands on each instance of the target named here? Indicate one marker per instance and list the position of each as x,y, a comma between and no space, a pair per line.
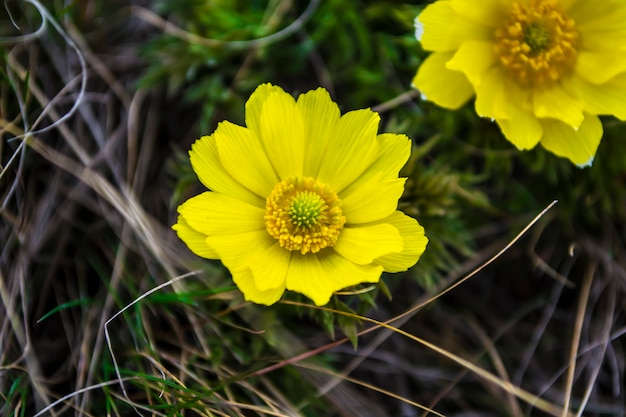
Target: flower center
537,44
304,215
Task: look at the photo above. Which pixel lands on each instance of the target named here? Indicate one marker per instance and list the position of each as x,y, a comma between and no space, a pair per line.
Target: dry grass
86,208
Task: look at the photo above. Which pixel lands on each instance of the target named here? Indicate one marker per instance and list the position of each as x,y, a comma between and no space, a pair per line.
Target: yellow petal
607,98
307,276
363,244
320,115
318,277
556,103
443,29
372,200
566,5
351,150
393,152
207,166
443,86
269,267
194,240
255,104
342,273
414,244
524,132
501,99
473,58
494,95
577,145
282,133
244,158
599,66
217,214
600,24
489,13
235,251
246,284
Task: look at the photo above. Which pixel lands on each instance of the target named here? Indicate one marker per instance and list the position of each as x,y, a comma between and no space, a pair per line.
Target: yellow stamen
304,215
537,44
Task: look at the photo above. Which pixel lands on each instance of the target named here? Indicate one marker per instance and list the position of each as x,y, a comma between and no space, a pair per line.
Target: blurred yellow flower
302,198
542,69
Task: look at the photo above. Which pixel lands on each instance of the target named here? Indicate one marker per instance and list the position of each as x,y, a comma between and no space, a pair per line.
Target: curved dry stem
343,377
82,76
126,307
578,325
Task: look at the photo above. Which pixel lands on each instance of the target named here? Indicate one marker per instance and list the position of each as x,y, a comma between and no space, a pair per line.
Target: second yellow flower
542,69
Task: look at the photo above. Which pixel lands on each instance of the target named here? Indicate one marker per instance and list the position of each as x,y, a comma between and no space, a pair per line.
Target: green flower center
537,43
306,208
304,215
537,37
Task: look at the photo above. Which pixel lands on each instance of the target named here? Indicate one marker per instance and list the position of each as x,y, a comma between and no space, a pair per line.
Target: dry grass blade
499,365
135,301
440,294
578,325
82,76
50,407
605,339
123,201
507,386
369,387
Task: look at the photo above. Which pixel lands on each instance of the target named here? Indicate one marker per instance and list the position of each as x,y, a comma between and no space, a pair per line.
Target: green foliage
441,198
69,304
15,398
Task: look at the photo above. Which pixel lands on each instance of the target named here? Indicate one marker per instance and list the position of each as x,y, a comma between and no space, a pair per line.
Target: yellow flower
542,69
302,198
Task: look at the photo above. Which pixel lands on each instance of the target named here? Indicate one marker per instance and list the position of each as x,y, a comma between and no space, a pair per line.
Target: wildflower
542,69
302,198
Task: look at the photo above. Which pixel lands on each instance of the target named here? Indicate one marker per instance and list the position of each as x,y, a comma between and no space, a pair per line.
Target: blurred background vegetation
99,104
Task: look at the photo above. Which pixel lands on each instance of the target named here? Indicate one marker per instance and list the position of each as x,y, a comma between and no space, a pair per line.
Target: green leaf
69,304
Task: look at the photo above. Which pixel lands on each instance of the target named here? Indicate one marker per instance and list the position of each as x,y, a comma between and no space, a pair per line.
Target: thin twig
578,325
